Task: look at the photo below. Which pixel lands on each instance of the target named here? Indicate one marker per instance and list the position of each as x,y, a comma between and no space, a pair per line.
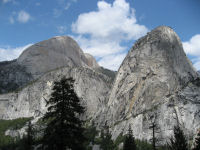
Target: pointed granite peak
162,47
154,68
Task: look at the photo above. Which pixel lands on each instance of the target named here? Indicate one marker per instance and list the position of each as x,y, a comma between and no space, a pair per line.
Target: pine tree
28,140
64,128
90,133
155,129
178,142
106,140
197,142
129,143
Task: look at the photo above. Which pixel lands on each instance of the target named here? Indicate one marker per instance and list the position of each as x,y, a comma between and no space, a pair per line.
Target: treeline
62,129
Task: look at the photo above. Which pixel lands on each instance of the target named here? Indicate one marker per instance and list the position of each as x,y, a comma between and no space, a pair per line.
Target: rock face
91,61
31,100
13,76
40,58
157,82
42,64
51,54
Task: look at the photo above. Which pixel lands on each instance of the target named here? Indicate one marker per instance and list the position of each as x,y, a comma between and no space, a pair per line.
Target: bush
7,142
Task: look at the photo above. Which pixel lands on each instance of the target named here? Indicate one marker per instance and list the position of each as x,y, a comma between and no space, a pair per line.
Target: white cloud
11,53
110,20
102,32
23,16
112,61
99,47
6,1
192,48
61,29
9,1
197,65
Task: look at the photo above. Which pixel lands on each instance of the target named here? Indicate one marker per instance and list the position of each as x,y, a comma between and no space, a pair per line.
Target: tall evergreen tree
106,140
129,142
27,141
64,128
197,142
155,129
178,142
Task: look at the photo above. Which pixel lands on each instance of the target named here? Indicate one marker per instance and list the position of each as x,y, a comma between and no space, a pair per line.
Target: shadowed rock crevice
13,76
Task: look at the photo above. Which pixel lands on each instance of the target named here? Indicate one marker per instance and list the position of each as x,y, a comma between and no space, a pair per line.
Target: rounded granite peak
63,38
166,32
164,28
54,53
160,34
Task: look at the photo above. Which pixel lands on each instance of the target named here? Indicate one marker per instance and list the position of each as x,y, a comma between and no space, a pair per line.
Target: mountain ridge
29,99
155,79
42,57
151,79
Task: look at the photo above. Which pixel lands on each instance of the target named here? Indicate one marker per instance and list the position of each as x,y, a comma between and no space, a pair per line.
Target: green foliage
29,138
129,142
143,145
140,144
106,140
178,142
7,142
64,128
13,124
90,134
120,139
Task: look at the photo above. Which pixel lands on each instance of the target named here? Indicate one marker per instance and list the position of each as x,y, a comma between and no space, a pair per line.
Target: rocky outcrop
13,76
40,58
36,70
155,81
91,61
51,54
91,87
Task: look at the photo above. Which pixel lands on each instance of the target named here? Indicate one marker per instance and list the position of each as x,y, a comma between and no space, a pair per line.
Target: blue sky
106,29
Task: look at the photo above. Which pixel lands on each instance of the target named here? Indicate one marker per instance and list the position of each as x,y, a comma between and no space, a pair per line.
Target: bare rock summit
41,58
156,80
57,52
